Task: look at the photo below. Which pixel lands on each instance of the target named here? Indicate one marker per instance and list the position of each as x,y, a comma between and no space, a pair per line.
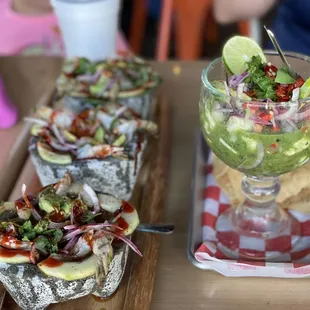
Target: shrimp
10,242
127,127
62,119
83,246
105,119
99,151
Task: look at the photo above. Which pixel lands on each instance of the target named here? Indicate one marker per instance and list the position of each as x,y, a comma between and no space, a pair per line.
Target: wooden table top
178,284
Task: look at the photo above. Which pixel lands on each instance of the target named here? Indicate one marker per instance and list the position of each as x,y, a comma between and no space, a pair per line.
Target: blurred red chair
190,18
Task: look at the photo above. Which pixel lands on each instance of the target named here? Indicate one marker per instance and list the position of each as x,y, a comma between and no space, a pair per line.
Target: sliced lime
238,51
305,90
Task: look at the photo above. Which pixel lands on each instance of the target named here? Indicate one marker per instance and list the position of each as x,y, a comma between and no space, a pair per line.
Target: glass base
251,233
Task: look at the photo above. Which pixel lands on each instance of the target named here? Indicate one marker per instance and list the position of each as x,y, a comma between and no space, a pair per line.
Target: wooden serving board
135,290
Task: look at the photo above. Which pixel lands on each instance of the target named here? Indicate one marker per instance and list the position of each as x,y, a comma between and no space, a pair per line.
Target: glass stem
261,192
259,207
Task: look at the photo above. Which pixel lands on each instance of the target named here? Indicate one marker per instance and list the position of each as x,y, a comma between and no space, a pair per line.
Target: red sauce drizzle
11,253
53,116
57,216
122,224
79,128
51,262
20,205
88,237
127,208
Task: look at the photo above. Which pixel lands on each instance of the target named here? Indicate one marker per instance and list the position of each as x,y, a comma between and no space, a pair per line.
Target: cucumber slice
53,266
111,204
69,136
236,123
52,157
36,130
99,135
14,256
120,140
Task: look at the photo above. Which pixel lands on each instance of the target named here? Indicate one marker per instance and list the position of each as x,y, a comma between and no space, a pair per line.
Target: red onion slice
36,120
70,227
290,113
57,134
33,254
127,241
53,225
71,243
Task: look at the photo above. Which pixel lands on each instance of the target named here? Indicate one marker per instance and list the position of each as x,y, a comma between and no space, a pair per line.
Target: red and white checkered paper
295,264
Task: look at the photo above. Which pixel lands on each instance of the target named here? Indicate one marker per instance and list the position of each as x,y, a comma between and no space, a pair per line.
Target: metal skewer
156,228
278,48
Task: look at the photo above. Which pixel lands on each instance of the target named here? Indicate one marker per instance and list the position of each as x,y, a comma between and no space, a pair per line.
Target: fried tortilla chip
295,186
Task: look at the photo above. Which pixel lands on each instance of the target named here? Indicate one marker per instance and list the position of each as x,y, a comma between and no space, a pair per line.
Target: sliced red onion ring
235,80
70,227
72,234
63,252
33,253
59,147
90,78
104,225
86,228
71,243
295,94
127,241
53,225
290,113
35,214
57,134
226,88
258,120
93,196
303,115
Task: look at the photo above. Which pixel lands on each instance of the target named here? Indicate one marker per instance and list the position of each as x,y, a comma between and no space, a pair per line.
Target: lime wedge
305,90
238,51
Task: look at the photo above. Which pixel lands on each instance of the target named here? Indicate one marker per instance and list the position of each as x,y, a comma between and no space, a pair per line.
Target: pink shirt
23,34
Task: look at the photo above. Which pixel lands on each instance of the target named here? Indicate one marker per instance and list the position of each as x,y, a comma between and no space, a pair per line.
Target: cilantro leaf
263,86
41,226
27,231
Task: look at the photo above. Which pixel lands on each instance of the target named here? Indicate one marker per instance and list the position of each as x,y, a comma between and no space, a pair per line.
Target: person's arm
228,11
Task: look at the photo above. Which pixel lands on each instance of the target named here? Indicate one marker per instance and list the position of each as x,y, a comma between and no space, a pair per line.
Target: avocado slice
53,266
48,199
50,202
111,204
14,256
51,156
